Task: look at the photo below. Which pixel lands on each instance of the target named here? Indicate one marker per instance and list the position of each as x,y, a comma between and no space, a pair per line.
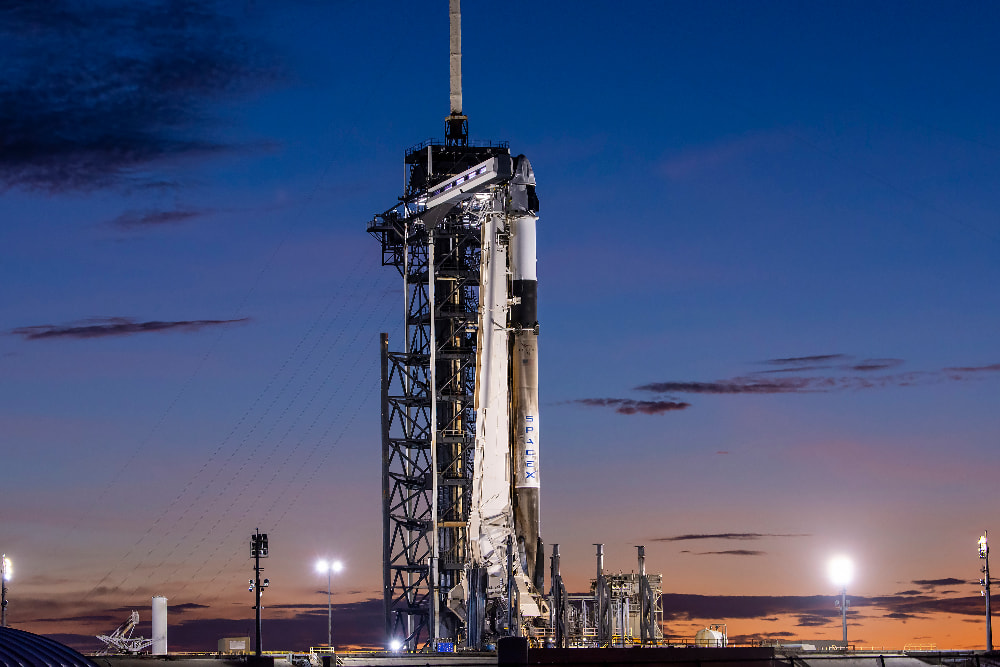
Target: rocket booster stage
524,366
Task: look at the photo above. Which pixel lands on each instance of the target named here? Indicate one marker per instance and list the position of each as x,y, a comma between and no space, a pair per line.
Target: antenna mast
456,131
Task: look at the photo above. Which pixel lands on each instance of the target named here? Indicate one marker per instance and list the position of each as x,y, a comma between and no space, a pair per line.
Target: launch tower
462,557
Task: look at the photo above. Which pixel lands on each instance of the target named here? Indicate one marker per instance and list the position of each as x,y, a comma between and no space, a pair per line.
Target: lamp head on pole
325,566
984,547
841,570
8,571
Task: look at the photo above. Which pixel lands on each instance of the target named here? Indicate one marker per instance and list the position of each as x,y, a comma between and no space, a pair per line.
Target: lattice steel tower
459,402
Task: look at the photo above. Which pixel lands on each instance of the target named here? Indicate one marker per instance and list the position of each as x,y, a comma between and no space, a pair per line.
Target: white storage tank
159,646
708,637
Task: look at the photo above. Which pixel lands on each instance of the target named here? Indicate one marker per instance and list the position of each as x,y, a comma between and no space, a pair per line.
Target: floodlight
326,567
395,645
841,570
8,572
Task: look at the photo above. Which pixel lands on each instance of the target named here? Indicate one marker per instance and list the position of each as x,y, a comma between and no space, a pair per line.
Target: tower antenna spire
456,124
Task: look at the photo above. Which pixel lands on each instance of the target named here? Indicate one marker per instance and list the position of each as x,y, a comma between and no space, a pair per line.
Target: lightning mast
457,124
459,402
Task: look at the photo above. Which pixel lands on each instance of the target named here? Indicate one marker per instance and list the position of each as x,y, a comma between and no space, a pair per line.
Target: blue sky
768,258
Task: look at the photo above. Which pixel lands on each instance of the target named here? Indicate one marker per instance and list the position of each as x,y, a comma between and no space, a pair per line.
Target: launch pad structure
459,439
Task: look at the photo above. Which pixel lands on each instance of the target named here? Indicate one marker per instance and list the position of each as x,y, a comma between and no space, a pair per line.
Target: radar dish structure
121,640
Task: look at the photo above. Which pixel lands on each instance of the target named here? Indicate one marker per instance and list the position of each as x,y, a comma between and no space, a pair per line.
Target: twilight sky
769,255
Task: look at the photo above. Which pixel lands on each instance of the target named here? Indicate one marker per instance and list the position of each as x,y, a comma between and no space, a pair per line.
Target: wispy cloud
679,606
114,326
732,552
96,92
932,583
734,386
812,621
792,369
875,365
725,536
150,218
991,368
826,361
701,159
811,359
821,384
187,606
926,604
628,406
863,375
173,609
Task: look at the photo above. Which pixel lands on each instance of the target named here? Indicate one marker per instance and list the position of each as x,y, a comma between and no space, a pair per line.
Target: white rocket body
490,519
505,488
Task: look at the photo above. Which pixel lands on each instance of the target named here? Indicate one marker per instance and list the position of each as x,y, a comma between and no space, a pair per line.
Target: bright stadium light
841,570
327,567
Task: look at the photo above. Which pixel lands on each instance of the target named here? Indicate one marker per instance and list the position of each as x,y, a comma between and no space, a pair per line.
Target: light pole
984,554
841,571
329,567
5,573
258,550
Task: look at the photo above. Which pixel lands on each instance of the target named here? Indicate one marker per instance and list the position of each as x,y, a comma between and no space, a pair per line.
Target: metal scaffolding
428,413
